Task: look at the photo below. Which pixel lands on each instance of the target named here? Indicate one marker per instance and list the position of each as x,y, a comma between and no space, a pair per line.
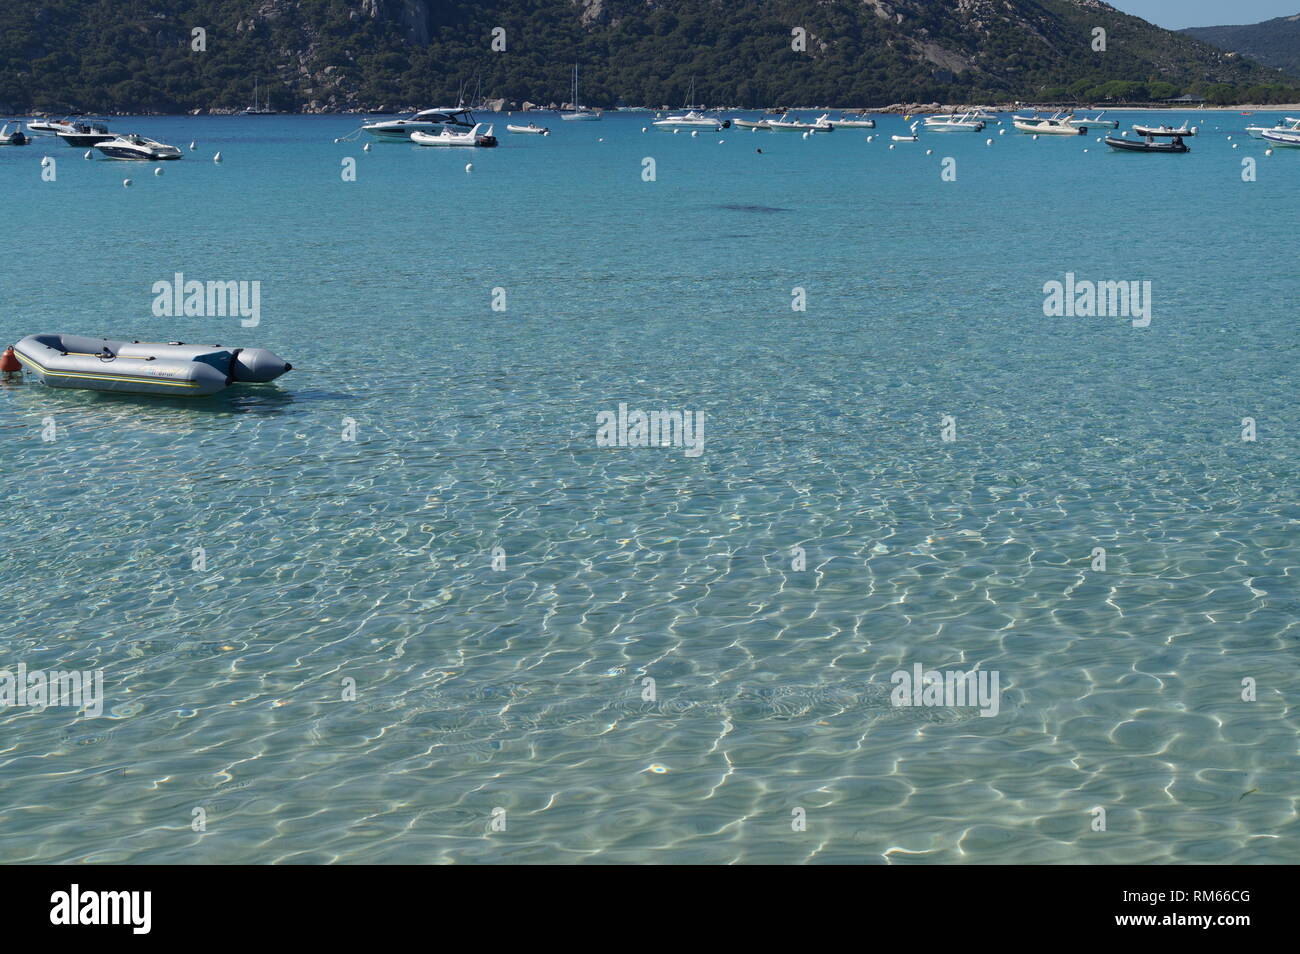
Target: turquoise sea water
333,563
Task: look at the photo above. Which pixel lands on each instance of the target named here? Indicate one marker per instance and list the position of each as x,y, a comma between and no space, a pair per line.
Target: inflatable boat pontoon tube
100,364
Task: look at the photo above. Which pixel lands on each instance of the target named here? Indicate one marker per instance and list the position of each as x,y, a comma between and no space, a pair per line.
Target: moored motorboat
691,120
426,120
49,127
134,147
1151,142
1048,126
1184,130
1290,126
14,137
1095,121
446,137
1287,139
911,138
174,368
821,124
531,128
954,122
749,124
854,121
86,134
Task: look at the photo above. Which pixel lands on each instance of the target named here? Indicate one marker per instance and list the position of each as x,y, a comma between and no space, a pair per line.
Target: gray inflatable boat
141,367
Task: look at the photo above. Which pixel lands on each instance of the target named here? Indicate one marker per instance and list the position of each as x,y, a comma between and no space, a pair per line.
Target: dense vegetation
135,55
1273,42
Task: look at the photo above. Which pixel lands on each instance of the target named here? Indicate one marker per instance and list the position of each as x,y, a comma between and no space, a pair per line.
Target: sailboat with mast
693,118
257,109
579,114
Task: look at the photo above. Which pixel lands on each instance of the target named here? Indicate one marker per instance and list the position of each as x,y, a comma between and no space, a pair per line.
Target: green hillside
135,55
1274,43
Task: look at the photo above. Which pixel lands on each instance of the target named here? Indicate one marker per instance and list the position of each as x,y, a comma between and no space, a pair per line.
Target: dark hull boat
15,138
86,134
1147,145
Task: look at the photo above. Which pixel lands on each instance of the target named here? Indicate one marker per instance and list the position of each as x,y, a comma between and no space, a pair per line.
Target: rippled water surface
337,566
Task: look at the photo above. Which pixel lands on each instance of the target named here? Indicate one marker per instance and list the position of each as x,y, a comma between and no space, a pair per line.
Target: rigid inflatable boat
71,361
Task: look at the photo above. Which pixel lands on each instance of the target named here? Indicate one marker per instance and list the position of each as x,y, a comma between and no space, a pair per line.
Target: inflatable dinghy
71,361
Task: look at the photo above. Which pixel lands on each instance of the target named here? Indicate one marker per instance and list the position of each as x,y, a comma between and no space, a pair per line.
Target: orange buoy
9,362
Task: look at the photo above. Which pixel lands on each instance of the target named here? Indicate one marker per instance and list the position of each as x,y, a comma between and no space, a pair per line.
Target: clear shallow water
521,689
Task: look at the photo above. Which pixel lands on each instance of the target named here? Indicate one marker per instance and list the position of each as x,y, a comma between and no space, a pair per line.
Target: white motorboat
86,134
445,137
1290,126
1288,139
911,138
691,120
578,114
1096,121
954,122
1050,126
134,147
854,121
14,137
425,121
748,124
531,128
822,124
1163,130
50,127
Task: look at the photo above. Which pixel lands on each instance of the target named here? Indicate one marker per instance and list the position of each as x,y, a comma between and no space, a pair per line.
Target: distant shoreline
893,109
